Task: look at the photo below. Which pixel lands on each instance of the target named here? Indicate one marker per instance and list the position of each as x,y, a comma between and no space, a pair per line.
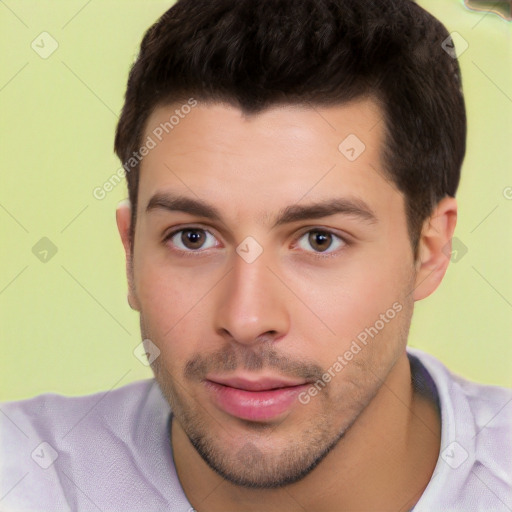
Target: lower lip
253,405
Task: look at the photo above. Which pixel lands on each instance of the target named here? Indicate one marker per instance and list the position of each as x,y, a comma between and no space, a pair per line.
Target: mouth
262,399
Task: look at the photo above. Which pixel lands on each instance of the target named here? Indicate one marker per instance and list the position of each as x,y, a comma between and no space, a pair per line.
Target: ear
124,219
435,247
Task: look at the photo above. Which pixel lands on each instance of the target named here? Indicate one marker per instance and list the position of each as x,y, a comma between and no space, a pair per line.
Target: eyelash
319,255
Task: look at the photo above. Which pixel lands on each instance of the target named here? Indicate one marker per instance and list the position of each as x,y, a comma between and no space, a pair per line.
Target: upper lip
260,384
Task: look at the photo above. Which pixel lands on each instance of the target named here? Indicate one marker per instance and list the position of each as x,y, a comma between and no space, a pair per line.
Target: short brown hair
258,53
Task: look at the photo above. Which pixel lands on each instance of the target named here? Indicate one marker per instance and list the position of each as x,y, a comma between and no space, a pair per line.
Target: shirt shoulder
106,450
57,415
474,469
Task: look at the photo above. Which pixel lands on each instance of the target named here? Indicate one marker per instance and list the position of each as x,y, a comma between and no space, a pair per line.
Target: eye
191,239
322,241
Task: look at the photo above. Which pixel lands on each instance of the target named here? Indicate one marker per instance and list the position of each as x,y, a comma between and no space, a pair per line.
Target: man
292,167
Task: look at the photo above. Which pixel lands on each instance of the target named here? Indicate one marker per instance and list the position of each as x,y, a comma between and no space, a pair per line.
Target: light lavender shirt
110,452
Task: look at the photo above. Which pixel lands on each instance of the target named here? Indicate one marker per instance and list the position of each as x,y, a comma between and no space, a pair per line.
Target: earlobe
123,219
435,248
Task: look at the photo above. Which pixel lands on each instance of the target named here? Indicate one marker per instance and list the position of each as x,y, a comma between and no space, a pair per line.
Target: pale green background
65,324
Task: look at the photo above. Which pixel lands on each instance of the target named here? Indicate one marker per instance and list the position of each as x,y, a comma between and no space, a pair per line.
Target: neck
384,461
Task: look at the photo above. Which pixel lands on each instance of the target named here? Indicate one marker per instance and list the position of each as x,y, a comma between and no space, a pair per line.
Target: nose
251,304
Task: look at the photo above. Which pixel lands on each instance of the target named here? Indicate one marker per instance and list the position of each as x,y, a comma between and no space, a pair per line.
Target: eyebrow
353,207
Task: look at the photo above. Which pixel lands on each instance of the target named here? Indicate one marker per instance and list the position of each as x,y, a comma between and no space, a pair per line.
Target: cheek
360,312
353,298
169,307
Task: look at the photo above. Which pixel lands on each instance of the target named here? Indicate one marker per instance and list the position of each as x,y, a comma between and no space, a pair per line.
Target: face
272,268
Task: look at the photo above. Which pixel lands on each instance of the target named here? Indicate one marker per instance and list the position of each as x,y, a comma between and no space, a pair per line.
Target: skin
374,441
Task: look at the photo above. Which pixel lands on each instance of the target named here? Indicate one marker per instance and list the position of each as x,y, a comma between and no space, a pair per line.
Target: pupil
192,237
319,240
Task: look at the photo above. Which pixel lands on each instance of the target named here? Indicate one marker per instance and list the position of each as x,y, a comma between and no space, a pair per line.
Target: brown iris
320,240
193,238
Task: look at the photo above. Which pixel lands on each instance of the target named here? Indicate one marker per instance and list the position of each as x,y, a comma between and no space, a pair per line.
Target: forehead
264,161
277,128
